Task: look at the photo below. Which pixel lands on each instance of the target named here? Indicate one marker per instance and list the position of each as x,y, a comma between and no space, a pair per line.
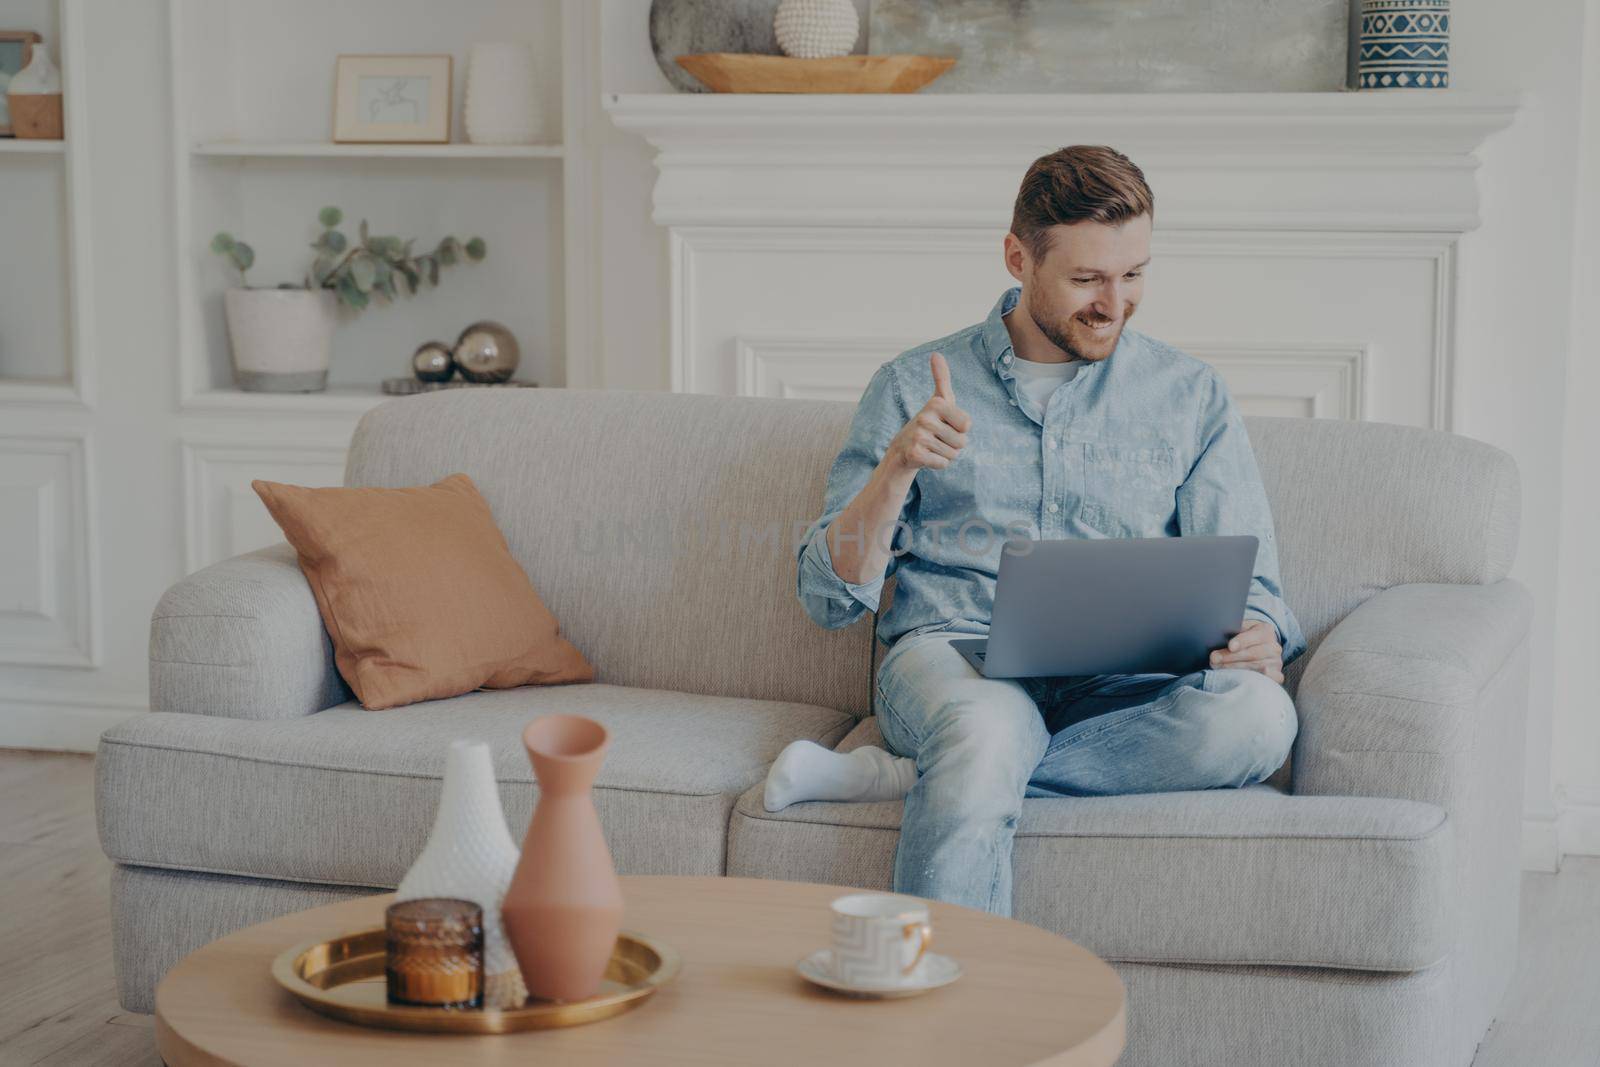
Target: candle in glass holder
435,953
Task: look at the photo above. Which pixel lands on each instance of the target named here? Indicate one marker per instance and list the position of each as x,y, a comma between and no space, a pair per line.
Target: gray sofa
1359,908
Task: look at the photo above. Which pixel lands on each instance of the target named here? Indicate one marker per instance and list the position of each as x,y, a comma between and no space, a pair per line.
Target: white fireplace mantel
813,237
1281,161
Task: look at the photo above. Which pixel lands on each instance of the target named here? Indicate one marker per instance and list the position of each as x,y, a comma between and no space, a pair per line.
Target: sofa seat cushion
347,796
1238,876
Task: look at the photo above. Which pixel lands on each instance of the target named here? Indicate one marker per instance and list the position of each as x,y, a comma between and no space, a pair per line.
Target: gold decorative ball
432,362
487,352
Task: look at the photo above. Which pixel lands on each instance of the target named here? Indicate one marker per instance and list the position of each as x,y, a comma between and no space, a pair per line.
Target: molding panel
1436,253
224,517
813,368
48,592
1353,326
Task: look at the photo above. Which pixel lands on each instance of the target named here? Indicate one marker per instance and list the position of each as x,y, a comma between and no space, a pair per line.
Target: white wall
1576,720
1516,323
633,251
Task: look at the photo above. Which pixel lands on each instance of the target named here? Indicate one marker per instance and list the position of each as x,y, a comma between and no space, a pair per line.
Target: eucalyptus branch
356,271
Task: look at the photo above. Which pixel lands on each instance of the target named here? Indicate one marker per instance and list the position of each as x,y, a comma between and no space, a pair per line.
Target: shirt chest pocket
1130,487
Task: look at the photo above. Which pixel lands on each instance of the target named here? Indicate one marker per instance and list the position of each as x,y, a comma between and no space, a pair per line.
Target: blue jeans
982,744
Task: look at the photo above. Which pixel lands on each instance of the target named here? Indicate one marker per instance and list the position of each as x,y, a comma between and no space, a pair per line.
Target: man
1050,419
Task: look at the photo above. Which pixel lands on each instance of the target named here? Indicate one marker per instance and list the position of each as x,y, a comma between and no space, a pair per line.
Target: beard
1076,338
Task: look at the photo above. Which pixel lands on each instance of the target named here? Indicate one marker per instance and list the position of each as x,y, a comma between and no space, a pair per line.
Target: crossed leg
972,747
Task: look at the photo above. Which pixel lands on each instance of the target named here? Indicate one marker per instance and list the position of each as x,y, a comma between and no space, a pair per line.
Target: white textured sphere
816,29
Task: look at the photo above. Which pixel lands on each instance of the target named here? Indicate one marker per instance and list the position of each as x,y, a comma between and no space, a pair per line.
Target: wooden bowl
734,72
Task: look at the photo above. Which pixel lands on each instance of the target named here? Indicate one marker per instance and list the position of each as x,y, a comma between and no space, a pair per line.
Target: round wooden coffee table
1027,996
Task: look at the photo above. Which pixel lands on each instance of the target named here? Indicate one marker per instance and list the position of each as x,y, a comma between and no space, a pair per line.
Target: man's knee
1003,729
981,753
1248,722
969,710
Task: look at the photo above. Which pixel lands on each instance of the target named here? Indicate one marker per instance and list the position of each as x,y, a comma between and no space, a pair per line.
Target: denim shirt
1146,443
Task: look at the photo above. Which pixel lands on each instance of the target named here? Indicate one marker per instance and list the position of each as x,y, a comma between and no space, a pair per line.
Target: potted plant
282,338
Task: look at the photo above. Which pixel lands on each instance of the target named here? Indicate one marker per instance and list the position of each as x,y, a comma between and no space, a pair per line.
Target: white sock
807,771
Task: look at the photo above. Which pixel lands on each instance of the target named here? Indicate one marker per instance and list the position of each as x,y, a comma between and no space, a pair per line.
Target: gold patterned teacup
879,939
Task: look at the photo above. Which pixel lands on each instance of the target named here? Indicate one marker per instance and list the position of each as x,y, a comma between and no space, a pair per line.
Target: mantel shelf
1414,122
1313,161
330,150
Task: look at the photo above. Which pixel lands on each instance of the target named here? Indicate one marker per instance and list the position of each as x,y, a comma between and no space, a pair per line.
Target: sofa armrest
1404,688
243,639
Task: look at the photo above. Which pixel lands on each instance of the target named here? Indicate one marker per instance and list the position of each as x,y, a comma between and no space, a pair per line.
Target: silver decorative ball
432,362
487,352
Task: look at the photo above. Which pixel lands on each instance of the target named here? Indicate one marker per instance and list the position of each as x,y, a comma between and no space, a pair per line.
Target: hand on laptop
1254,648
936,434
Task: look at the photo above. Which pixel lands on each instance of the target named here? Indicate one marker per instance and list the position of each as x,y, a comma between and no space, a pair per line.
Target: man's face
1087,285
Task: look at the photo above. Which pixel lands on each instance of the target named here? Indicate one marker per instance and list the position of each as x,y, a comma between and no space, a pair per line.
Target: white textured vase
282,339
816,29
470,856
502,107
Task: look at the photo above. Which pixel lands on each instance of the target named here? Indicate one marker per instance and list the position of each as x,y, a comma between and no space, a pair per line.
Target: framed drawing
16,49
392,99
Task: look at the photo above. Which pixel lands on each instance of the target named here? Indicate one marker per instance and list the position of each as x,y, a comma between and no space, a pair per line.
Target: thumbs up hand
936,434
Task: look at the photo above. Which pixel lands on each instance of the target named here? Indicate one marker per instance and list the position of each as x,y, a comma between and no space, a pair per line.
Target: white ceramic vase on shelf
470,856
501,105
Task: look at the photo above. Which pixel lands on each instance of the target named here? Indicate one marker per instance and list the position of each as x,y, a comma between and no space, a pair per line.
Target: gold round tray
343,979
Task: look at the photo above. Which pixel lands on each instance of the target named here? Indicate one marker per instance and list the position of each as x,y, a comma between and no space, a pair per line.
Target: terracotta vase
564,907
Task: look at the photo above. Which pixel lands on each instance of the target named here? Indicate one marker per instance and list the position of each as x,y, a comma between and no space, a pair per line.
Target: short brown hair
1081,182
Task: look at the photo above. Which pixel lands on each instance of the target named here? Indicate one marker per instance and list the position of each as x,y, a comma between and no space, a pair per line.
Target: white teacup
879,939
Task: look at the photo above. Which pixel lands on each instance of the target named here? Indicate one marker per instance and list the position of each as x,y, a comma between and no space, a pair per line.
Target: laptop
1149,605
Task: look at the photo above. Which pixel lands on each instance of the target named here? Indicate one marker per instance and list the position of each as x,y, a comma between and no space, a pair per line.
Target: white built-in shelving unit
50,600
252,91
44,275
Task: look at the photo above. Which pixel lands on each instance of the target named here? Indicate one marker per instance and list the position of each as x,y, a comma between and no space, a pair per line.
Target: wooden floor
58,1001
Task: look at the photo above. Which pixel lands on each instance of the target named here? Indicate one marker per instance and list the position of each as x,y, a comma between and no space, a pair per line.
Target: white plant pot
470,856
282,339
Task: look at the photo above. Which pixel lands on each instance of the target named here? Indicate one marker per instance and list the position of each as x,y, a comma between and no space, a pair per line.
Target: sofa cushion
1212,876
419,592
347,797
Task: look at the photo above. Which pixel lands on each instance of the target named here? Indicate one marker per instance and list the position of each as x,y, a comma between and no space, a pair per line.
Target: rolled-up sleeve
1223,495
828,599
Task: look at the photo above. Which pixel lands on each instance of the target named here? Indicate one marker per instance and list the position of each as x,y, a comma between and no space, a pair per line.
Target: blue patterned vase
1405,44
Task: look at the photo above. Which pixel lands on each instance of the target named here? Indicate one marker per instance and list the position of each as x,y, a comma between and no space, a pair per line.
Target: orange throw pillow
420,592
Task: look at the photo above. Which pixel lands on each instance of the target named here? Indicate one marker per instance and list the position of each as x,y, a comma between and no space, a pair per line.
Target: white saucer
937,971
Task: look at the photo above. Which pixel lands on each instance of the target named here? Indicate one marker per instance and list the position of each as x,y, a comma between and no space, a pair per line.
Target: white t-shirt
1037,381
